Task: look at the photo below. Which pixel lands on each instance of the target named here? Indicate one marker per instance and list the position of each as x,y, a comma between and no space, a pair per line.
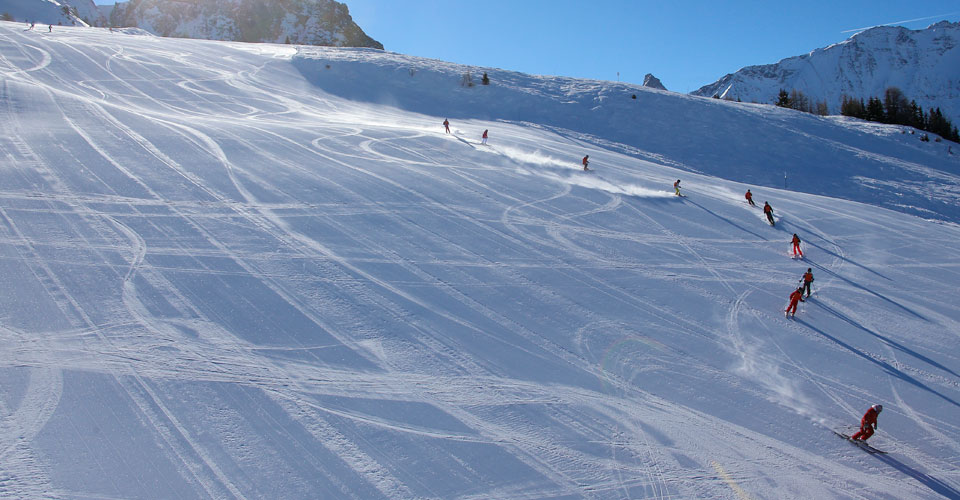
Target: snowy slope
760,144
924,64
228,273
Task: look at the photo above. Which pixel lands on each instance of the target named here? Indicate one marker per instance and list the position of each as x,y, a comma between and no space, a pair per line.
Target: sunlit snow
240,271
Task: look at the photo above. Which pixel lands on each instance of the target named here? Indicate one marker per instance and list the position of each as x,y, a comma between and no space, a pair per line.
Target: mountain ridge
306,22
923,64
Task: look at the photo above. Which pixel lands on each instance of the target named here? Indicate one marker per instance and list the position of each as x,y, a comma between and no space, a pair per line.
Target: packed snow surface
238,271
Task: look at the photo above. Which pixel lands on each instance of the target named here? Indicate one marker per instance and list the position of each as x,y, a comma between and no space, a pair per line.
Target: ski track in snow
241,288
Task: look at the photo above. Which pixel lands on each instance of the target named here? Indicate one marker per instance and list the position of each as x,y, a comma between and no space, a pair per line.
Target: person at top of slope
585,161
795,297
868,423
768,210
749,197
807,279
446,125
797,252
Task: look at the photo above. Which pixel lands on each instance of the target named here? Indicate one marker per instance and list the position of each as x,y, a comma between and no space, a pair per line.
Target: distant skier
795,298
676,188
446,125
749,197
585,161
483,138
50,29
868,423
807,279
768,210
797,252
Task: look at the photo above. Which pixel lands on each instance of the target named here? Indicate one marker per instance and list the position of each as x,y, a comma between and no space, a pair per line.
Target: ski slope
229,271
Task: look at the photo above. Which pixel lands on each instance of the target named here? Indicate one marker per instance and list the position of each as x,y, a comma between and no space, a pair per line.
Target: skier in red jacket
585,161
446,125
483,138
795,297
796,246
868,423
749,197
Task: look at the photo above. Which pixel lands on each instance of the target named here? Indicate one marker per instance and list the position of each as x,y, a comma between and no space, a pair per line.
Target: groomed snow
239,271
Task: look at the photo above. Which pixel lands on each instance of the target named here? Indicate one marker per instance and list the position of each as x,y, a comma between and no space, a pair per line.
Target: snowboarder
767,209
676,187
446,125
749,197
868,423
797,252
585,161
807,279
795,297
483,138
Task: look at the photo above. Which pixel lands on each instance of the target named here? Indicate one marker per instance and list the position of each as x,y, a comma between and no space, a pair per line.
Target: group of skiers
483,137
869,421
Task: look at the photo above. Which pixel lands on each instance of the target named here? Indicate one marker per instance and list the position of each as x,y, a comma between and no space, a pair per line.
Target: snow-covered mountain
308,22
234,270
924,64
55,12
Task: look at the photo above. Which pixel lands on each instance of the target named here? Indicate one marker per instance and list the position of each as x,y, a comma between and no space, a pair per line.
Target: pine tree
874,110
783,99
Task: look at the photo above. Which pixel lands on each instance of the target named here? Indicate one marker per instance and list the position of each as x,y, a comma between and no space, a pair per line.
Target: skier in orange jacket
868,423
807,279
795,297
768,210
796,246
749,197
585,161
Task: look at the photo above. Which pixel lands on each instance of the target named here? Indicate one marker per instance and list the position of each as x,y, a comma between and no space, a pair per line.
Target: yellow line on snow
730,482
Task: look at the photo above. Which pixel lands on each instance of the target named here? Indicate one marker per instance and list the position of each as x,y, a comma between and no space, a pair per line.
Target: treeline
799,101
894,108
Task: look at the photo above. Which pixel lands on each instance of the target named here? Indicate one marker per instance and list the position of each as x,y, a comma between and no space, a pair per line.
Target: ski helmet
879,408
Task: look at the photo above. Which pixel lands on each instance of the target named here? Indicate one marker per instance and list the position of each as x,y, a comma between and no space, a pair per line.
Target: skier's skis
860,444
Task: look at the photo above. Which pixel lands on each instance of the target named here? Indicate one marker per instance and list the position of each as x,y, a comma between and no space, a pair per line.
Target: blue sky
685,43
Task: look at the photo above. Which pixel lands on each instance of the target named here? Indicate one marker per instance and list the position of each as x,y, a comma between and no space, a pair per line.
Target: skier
676,187
585,161
483,139
767,209
807,279
446,125
795,297
50,29
796,246
749,197
868,423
